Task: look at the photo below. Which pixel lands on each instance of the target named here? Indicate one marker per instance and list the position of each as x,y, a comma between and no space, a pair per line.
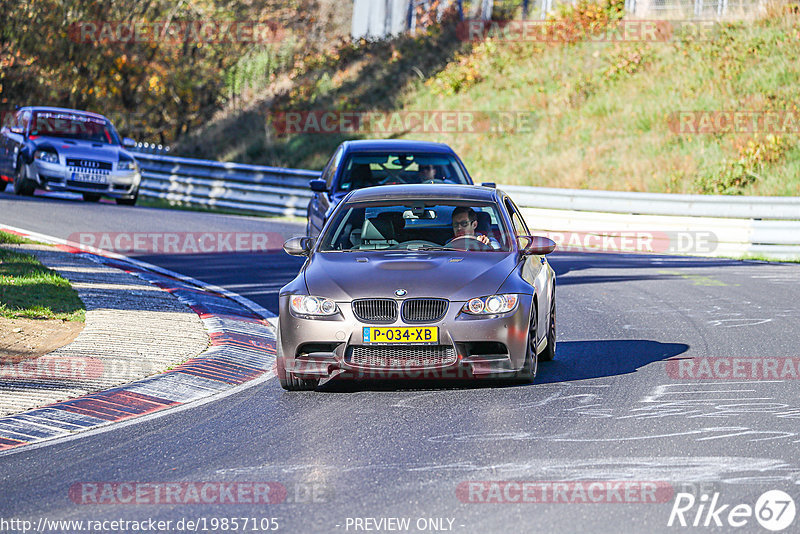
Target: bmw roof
424,191
401,145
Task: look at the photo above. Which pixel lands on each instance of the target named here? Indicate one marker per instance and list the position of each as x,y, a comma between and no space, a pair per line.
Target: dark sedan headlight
308,305
46,155
491,305
127,165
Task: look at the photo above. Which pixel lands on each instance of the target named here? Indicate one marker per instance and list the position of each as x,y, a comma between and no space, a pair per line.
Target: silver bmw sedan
418,282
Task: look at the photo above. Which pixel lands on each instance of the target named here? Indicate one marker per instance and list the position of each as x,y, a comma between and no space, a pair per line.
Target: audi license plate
89,178
401,334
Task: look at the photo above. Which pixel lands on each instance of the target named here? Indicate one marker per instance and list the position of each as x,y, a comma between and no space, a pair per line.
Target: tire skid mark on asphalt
242,349
678,469
700,434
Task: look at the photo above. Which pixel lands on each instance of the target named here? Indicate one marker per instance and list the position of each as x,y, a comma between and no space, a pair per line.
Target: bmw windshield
369,169
417,225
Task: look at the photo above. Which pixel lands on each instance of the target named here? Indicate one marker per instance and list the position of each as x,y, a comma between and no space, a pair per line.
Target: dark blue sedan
367,163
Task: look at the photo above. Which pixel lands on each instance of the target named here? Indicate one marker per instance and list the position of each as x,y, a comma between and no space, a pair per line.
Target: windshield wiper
435,248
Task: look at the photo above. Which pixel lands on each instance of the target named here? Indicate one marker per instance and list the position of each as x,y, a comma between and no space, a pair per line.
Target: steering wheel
417,242
473,244
392,178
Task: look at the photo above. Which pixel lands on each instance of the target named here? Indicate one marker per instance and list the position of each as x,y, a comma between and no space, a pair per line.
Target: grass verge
30,290
7,238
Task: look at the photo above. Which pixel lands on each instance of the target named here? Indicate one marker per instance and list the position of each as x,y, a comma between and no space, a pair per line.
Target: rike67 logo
774,510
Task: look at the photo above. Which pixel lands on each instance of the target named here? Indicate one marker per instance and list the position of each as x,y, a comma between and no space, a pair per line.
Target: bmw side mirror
128,142
299,246
536,245
318,186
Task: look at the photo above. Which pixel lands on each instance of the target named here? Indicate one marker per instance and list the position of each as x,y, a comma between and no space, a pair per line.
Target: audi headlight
308,305
127,165
46,156
491,305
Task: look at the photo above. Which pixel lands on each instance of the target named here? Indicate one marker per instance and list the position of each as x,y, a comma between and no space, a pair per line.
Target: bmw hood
454,276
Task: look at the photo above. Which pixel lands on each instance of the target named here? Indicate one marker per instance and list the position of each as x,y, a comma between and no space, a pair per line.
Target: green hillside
602,110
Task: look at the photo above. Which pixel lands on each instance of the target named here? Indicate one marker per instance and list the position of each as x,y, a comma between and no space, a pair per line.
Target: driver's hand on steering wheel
483,239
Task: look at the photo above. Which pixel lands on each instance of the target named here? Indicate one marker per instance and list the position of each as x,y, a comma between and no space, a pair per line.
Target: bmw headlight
46,156
491,305
127,165
308,305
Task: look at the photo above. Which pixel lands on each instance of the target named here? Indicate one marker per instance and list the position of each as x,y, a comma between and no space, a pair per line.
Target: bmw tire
549,351
529,368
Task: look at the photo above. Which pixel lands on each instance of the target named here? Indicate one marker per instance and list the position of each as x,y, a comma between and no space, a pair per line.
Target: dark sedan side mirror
318,186
538,245
128,142
299,246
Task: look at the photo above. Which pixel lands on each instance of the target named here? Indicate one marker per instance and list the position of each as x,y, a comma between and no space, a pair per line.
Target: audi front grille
88,165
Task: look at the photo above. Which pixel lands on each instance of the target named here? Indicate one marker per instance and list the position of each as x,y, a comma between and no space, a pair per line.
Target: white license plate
89,178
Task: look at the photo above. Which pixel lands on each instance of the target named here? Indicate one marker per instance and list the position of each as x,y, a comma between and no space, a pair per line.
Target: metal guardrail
233,186
765,226
737,207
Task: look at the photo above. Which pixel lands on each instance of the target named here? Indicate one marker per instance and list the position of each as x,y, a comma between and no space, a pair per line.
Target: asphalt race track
609,409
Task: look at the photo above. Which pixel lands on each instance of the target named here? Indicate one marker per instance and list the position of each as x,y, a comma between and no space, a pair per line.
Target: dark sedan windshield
430,225
73,126
369,169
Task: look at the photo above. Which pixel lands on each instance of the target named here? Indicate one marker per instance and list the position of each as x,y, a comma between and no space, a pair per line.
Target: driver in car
465,223
427,172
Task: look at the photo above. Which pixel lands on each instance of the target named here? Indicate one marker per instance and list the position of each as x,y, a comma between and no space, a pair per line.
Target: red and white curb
242,350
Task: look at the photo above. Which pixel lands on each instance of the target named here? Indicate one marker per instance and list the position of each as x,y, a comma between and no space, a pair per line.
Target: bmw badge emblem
401,292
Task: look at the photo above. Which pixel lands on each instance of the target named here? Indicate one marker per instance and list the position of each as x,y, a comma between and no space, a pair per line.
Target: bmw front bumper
469,346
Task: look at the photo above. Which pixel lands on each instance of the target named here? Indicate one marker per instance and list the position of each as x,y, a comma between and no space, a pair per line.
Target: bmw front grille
401,356
375,310
424,310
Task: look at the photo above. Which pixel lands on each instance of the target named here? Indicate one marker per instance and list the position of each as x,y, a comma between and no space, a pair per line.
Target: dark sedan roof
401,145
63,110
424,191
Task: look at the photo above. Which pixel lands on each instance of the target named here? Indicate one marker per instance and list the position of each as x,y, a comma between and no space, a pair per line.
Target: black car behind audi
366,163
